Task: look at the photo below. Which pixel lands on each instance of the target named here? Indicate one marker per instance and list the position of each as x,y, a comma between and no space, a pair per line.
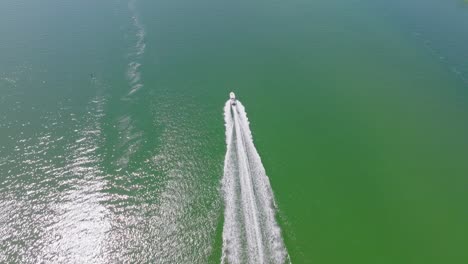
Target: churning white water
250,233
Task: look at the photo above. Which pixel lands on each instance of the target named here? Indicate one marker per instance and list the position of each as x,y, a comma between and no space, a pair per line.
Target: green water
112,136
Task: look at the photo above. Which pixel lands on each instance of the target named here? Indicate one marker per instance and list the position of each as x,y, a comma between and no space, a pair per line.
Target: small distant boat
232,97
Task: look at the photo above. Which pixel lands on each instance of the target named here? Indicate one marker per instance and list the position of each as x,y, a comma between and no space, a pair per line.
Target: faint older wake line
137,51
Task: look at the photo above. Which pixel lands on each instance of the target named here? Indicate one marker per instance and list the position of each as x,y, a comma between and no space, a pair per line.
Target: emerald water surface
112,135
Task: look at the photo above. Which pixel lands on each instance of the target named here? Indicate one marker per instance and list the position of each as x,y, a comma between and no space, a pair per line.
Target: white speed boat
232,97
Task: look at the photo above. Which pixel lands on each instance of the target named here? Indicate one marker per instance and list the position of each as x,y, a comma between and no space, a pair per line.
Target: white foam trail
249,202
252,227
264,193
231,233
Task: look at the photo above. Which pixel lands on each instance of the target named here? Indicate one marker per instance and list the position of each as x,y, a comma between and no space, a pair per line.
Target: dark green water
112,135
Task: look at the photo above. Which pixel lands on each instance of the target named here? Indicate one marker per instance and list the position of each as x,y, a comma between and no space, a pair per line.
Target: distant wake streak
250,233
137,51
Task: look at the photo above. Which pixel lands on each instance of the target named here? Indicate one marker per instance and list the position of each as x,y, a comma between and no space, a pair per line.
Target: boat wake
137,51
250,233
